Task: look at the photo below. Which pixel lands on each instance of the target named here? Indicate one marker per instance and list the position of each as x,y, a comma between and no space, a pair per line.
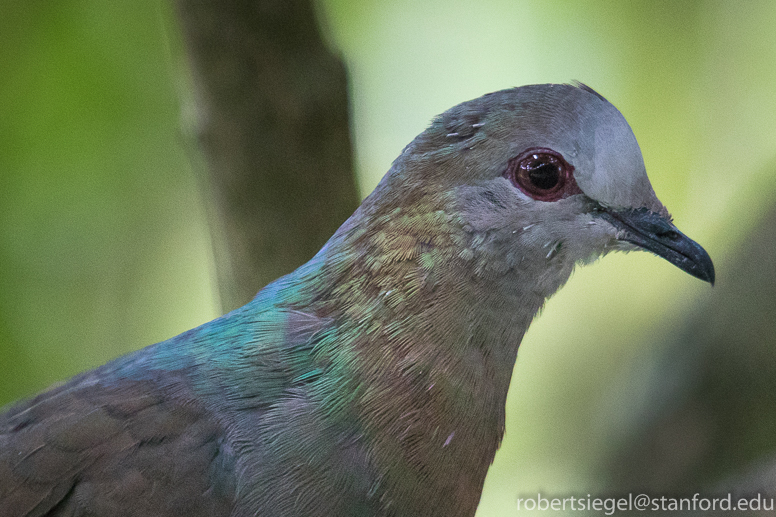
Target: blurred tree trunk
272,120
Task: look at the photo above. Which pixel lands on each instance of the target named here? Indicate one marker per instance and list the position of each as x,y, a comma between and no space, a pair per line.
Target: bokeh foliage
104,246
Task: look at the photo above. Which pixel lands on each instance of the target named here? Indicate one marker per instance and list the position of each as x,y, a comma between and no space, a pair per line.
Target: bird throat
427,346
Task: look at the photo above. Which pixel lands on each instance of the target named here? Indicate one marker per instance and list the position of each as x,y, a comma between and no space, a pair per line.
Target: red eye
542,174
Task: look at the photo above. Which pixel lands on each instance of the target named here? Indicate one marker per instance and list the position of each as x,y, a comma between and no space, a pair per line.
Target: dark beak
655,233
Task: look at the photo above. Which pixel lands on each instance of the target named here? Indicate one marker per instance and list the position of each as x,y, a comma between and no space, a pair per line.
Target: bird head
543,177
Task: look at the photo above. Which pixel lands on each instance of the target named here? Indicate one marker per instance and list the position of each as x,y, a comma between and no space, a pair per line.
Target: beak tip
707,276
696,261
711,277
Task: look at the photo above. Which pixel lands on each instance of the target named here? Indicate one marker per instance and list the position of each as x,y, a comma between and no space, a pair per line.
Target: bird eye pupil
540,173
544,175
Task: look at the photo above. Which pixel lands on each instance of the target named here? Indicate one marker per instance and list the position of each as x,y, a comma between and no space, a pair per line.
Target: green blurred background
104,242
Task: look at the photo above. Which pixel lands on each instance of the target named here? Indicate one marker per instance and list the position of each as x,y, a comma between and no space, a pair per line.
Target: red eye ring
542,174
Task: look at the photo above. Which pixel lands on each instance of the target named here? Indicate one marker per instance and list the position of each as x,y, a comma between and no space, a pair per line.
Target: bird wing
102,445
153,433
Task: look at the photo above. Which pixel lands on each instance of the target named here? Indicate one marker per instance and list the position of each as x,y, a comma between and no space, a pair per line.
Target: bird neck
427,334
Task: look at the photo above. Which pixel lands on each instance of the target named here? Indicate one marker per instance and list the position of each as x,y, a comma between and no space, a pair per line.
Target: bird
372,380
